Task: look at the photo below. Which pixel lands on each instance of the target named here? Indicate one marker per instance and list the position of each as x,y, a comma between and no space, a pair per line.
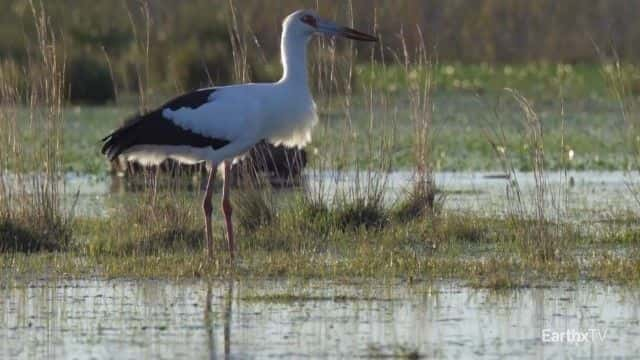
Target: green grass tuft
41,235
359,213
168,224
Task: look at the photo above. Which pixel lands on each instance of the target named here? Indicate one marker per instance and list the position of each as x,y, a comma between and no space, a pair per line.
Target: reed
421,198
538,213
622,85
33,212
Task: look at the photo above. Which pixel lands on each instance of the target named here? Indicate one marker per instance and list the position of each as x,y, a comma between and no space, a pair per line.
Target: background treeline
190,43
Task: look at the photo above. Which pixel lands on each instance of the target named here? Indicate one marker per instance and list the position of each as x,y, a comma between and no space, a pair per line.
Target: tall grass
31,172
539,215
420,197
622,82
361,201
142,45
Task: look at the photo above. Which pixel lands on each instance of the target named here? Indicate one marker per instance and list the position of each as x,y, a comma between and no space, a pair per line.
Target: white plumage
241,114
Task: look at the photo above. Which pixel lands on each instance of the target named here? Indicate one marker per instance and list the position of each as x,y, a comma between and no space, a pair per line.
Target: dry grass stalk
32,182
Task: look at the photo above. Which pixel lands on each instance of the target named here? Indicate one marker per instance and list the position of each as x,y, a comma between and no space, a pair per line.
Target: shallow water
586,196
583,195
163,319
487,192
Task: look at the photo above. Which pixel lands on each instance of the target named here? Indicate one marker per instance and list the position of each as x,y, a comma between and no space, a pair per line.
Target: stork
217,125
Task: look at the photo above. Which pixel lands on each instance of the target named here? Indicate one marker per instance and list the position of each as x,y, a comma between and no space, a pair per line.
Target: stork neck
294,57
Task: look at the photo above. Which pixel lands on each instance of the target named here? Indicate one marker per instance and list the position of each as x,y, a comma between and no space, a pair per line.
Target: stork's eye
309,20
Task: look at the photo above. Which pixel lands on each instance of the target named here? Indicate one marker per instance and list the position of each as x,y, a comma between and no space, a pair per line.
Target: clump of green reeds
151,224
253,203
540,233
464,228
31,126
421,198
368,212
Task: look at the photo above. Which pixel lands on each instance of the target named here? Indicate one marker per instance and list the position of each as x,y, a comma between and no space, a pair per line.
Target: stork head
307,23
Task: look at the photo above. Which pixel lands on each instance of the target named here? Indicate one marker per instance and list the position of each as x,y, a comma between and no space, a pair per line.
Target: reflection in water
227,318
209,320
142,184
153,319
208,325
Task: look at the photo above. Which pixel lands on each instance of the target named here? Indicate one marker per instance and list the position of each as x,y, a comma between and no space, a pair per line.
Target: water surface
581,195
155,319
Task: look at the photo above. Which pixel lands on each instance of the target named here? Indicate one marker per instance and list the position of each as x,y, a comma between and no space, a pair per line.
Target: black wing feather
154,129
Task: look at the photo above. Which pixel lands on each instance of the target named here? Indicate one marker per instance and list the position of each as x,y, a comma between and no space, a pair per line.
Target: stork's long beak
330,28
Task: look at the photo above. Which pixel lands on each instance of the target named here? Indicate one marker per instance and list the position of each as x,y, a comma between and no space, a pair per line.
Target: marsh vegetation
410,113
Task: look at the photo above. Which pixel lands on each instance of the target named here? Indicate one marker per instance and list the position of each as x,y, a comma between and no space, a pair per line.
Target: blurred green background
191,42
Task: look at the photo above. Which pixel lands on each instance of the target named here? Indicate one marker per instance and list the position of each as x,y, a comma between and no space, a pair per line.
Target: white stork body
280,113
219,124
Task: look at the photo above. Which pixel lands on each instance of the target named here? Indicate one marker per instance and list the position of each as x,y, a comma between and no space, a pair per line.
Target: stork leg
208,208
226,208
